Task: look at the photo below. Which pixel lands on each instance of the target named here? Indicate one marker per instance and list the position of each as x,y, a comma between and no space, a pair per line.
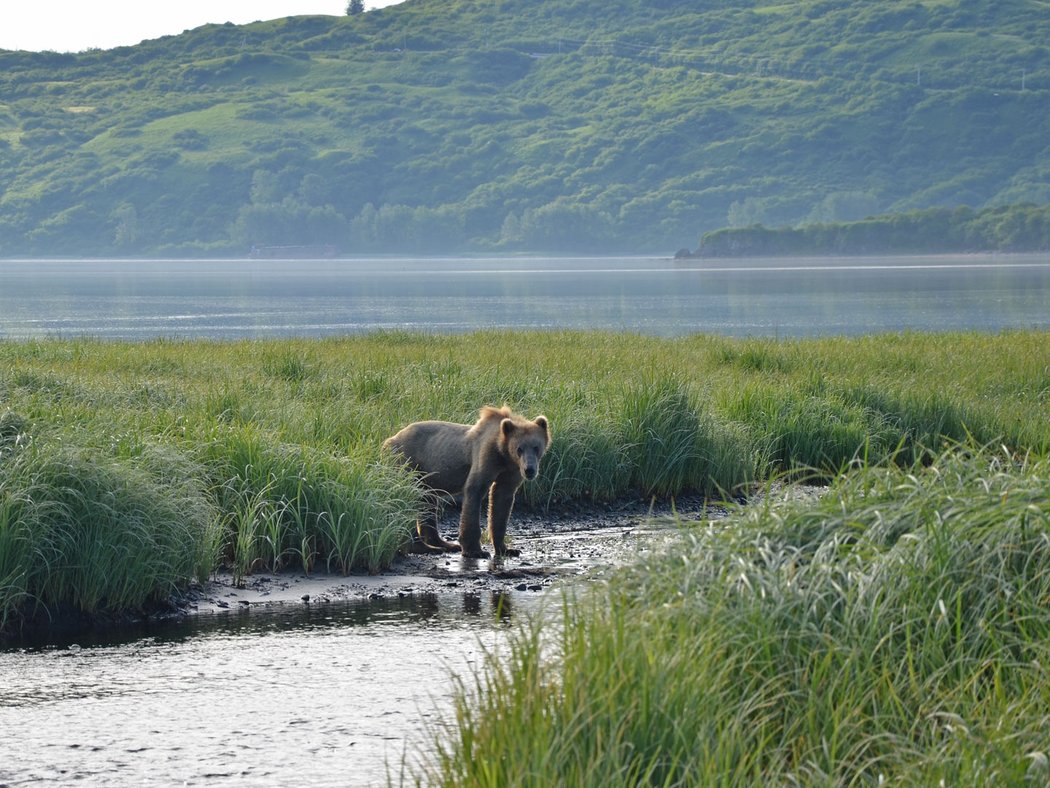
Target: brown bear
490,458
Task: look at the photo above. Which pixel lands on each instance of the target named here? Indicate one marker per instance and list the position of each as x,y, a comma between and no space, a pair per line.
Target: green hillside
440,125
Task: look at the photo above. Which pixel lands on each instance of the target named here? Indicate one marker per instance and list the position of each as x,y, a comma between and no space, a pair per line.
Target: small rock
305,597
520,587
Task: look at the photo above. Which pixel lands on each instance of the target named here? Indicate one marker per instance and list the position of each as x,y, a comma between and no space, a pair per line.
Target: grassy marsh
266,453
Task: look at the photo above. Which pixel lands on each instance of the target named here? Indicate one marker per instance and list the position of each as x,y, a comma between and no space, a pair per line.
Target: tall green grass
673,444
896,630
92,521
282,436
83,531
293,505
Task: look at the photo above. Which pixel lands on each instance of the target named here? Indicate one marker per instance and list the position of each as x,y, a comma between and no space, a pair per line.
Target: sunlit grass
282,437
96,533
894,631
294,506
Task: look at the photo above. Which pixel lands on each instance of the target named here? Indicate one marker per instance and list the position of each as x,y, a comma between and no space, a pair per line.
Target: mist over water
232,299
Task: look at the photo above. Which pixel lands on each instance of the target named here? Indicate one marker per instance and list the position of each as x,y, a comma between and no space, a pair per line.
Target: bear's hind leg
429,538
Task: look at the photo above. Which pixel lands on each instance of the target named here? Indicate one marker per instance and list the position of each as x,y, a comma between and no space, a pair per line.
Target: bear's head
525,442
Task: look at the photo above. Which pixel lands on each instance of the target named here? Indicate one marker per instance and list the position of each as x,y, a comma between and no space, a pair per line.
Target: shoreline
573,542
557,546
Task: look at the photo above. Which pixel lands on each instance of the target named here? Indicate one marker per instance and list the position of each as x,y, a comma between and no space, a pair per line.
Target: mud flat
556,546
572,543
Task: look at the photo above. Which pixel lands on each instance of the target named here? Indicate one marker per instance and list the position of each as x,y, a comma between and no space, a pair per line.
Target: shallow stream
290,679
335,694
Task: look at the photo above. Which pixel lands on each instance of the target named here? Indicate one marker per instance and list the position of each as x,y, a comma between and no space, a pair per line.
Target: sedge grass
894,631
283,436
96,534
291,502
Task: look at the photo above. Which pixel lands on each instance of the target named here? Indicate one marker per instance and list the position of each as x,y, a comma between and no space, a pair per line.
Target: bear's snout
531,471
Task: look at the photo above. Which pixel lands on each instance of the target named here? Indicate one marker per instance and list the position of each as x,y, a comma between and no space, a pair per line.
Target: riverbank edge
584,533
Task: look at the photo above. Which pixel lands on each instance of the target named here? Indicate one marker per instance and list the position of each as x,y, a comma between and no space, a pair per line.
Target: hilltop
447,125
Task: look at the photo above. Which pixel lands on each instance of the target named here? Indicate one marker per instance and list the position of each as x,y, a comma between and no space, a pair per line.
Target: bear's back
440,450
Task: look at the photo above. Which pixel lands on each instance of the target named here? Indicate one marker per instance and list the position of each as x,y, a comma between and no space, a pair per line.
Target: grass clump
801,431
283,505
672,446
89,533
896,630
96,523
586,459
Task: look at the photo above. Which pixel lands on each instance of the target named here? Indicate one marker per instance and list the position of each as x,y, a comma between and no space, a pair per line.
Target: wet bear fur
489,458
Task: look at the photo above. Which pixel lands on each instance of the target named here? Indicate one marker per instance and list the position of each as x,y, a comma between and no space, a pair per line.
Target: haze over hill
569,125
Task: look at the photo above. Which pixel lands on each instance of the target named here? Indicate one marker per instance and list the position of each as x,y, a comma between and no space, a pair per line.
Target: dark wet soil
573,541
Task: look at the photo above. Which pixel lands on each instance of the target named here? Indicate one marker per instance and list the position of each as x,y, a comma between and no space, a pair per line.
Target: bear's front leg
501,501
474,492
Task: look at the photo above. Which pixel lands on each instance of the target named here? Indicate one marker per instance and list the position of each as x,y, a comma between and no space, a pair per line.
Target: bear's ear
506,427
541,422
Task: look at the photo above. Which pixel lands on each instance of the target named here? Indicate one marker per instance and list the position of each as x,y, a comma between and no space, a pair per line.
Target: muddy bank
572,542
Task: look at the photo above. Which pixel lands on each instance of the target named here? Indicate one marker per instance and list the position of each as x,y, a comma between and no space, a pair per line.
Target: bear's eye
521,451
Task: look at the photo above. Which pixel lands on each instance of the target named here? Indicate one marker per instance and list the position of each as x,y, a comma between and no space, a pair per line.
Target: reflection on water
788,297
314,695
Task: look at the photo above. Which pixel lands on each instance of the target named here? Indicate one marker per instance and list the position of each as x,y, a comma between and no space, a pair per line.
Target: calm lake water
762,297
319,696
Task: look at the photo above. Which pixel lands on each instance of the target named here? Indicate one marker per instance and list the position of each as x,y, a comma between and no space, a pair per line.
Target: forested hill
441,125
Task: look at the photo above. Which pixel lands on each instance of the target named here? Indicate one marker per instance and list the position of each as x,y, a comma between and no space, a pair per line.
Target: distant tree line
1006,228
312,214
